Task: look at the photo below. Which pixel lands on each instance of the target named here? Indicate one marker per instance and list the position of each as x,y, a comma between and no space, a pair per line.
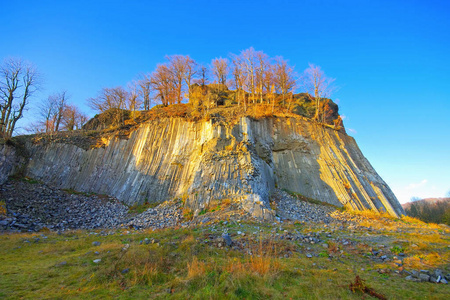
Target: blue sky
390,60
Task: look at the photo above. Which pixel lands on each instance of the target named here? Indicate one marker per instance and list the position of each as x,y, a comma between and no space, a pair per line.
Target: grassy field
195,263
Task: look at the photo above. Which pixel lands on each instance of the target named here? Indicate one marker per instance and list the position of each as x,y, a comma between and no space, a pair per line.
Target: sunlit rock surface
207,162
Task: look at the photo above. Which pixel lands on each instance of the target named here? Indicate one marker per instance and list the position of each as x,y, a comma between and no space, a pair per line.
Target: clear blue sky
390,59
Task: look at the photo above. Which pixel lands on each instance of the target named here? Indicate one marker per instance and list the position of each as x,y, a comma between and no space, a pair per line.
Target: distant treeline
430,210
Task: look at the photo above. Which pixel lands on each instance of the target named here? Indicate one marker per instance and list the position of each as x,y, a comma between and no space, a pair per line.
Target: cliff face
207,162
10,162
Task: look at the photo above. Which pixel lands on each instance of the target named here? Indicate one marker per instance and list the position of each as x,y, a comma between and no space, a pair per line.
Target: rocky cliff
207,162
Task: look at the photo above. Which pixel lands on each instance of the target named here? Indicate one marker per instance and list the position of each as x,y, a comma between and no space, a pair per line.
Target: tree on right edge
317,85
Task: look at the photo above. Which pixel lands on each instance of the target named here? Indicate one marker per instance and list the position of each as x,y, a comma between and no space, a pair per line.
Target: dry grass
333,247
412,262
2,208
195,268
188,214
262,262
260,111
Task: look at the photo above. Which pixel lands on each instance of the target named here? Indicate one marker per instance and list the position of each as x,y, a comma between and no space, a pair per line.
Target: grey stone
444,281
96,243
308,255
424,277
124,271
227,239
434,279
96,261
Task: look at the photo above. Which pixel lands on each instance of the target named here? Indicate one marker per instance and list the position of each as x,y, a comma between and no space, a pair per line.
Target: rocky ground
33,206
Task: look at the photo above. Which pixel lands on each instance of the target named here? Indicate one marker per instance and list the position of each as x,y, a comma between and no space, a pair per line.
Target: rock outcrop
10,162
207,162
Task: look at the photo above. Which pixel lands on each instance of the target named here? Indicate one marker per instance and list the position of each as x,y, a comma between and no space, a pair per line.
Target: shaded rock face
207,162
10,162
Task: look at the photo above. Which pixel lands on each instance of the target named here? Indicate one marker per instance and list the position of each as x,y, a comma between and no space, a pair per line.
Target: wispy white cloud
413,186
353,131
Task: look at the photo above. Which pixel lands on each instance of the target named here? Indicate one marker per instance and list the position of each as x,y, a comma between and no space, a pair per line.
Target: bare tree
191,71
60,102
145,90
17,84
219,68
249,62
178,68
133,101
317,85
111,101
238,78
163,84
73,118
284,78
47,110
51,111
203,79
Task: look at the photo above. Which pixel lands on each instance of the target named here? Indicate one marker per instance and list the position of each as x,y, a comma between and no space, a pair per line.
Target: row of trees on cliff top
255,77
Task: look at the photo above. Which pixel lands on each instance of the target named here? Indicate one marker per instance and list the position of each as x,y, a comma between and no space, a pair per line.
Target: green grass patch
185,263
140,208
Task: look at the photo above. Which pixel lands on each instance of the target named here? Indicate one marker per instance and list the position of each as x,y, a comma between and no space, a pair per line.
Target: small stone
434,279
125,271
443,281
63,263
308,255
96,243
227,239
424,277
383,257
96,261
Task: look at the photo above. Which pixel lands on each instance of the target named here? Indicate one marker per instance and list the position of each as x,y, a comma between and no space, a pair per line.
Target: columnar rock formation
207,162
